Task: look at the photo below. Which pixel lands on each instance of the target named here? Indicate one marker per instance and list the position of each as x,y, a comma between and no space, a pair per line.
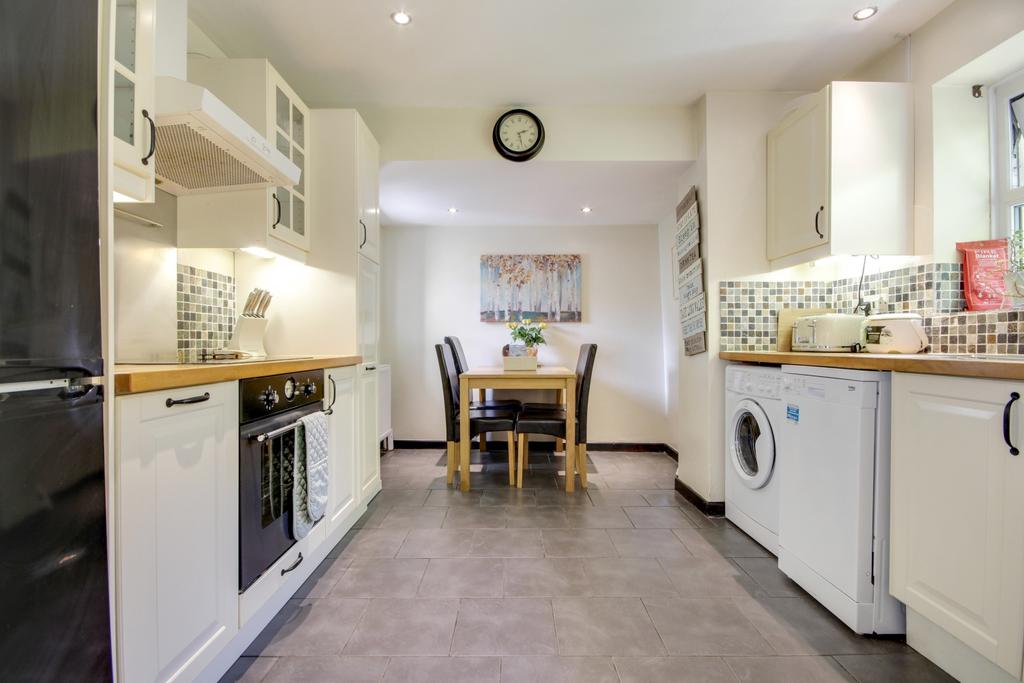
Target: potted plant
527,336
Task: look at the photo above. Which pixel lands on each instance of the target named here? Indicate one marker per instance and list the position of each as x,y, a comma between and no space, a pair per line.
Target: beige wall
624,133
957,35
431,288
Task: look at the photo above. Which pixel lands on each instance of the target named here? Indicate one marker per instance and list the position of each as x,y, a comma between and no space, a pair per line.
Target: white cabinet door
369,446
289,133
343,445
367,172
133,80
368,301
798,174
177,531
957,553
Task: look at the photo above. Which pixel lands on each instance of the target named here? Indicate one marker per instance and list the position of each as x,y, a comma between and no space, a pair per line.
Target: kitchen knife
250,300
264,305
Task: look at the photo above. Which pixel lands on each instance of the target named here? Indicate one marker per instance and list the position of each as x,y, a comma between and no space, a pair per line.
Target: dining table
562,379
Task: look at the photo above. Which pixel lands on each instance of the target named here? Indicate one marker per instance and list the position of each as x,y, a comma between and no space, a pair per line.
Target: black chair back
460,356
450,386
584,373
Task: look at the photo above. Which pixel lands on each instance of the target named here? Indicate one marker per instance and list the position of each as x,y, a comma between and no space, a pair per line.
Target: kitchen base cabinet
957,557
177,530
343,495
368,456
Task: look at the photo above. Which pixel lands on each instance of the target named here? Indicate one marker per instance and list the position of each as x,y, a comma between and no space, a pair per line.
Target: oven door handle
263,436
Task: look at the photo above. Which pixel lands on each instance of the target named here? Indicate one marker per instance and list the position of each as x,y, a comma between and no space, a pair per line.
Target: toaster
895,333
830,332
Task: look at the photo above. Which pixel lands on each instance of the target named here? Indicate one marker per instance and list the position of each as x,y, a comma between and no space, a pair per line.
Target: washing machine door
752,444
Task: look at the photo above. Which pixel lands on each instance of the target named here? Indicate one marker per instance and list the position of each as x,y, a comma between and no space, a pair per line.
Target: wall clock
518,135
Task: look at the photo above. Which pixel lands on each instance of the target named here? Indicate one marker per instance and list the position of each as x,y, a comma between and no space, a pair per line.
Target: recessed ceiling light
452,209
865,13
401,18
585,209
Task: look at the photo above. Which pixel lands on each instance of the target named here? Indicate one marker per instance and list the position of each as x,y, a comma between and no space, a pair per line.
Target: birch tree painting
544,288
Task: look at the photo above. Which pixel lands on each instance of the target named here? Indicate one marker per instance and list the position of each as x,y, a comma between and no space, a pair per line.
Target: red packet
985,264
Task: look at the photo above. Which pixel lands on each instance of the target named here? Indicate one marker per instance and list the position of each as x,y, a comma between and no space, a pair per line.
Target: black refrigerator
54,608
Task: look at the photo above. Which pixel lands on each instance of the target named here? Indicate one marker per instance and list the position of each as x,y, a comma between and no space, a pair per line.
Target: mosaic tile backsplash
749,309
206,310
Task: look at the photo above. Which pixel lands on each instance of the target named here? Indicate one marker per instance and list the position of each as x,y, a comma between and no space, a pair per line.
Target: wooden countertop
923,363
135,379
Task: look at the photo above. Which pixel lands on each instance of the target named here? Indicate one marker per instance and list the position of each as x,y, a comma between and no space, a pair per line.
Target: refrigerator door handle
38,385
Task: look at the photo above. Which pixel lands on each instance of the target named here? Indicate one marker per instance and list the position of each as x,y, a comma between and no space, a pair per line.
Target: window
1007,114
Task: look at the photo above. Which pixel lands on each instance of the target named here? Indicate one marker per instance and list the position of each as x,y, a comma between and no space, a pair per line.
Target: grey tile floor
625,582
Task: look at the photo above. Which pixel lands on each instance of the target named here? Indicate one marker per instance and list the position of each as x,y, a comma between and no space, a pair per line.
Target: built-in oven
270,409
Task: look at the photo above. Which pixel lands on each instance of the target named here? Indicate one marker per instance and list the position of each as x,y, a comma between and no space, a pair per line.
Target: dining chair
460,367
481,419
549,419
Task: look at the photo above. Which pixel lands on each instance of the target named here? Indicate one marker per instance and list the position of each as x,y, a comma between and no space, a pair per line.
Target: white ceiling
502,194
553,52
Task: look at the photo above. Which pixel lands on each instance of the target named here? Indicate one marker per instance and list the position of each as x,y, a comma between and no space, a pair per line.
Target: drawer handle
1006,423
363,243
816,228
171,402
294,565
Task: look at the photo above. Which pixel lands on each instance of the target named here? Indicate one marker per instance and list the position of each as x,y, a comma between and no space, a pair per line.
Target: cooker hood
204,147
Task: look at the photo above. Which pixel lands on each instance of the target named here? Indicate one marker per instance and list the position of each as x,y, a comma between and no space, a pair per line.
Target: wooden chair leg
452,455
559,445
511,458
581,463
483,442
524,453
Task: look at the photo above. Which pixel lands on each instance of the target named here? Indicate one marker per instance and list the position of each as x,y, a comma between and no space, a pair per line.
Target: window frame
1004,197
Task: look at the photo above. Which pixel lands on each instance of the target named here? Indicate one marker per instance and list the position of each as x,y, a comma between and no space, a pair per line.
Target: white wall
730,177
431,288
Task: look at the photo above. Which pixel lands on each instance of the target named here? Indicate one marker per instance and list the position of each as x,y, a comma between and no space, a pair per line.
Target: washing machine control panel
754,382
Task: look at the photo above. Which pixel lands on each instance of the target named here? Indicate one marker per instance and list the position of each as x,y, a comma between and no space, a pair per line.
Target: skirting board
709,508
497,443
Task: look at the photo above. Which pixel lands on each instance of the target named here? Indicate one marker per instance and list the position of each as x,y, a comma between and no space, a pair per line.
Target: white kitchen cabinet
368,304
368,182
840,174
134,82
343,496
277,218
957,555
369,445
177,530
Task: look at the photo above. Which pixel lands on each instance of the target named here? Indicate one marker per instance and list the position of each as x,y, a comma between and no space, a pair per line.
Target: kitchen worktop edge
137,379
922,363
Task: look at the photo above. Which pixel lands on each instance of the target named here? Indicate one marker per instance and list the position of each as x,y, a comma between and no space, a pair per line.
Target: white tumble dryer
753,416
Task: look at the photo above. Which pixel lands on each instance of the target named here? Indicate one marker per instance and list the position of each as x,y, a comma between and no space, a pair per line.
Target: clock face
518,135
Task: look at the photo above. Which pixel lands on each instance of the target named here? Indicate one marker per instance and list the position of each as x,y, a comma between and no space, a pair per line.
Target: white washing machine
753,416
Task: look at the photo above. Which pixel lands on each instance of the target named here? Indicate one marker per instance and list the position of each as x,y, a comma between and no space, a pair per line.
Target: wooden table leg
570,435
464,443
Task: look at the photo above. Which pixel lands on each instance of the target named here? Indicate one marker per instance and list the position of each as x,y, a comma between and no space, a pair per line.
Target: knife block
247,337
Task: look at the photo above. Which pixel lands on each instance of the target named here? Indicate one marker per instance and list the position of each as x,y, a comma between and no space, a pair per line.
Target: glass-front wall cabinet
134,85
290,204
